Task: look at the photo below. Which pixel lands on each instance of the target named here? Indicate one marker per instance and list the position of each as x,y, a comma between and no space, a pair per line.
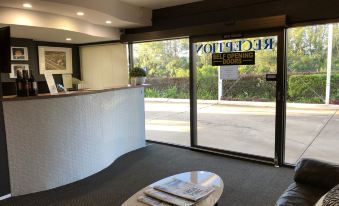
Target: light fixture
68,39
27,5
108,22
80,13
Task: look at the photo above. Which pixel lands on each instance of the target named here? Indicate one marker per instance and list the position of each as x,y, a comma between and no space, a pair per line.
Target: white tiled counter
56,141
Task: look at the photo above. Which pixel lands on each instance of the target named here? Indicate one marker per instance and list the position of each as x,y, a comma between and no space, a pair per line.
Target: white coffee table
198,177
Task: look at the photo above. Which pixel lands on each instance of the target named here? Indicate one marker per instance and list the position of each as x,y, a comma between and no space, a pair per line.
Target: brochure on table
151,201
50,82
175,200
175,192
184,189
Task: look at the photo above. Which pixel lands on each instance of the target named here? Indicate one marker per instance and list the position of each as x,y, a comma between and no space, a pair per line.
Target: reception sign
233,58
242,45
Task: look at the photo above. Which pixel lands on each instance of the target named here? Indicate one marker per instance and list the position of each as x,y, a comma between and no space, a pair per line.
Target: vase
137,81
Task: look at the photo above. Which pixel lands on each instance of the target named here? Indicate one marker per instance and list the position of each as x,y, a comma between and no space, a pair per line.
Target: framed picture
19,53
16,67
56,60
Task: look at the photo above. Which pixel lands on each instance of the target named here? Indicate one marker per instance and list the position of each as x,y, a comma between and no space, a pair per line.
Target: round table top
202,178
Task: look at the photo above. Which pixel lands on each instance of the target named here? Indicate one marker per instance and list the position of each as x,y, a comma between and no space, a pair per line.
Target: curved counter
53,140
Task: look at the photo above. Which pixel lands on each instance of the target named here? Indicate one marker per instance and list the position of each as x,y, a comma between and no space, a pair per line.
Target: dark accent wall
33,61
228,11
7,87
4,171
5,49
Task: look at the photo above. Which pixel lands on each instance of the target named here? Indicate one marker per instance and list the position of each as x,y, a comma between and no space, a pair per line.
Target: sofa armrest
317,173
300,195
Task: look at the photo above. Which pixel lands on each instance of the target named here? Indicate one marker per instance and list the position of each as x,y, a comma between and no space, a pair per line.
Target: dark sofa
313,179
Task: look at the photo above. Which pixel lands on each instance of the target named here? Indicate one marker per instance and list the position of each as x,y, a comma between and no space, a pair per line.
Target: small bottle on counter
19,85
26,84
33,84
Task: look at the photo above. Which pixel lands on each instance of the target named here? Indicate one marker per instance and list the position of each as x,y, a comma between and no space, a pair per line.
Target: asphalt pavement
247,127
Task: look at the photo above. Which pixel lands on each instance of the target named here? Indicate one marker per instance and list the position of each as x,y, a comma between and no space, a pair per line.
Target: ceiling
158,4
53,35
56,20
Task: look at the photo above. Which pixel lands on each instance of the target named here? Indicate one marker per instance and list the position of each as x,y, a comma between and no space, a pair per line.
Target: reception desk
54,140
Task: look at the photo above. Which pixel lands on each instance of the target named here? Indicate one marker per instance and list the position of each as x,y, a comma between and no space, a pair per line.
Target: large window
167,99
313,93
238,114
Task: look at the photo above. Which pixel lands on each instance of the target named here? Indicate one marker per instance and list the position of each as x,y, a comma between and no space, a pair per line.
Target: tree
307,49
167,58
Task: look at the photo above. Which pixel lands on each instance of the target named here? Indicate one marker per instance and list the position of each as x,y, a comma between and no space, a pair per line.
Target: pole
329,63
219,85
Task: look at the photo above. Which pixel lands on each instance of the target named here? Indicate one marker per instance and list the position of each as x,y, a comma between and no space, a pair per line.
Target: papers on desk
174,200
151,201
175,192
184,189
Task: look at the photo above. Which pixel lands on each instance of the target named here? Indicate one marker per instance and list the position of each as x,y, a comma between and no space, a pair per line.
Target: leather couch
313,179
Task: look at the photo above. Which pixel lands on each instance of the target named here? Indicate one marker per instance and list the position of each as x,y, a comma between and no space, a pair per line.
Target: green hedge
311,88
303,88
249,88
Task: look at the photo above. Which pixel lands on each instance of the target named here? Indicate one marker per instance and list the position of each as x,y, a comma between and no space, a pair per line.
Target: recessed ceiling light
80,13
108,22
27,5
68,39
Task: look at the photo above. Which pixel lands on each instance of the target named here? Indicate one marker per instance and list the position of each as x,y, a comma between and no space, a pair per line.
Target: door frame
281,88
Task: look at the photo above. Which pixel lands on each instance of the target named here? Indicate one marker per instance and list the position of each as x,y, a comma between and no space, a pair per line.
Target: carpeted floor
246,183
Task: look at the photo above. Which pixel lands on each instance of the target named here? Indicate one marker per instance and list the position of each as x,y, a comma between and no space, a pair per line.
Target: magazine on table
185,189
172,199
151,201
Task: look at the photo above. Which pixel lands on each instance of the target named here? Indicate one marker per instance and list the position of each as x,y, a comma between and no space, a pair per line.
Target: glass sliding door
236,105
312,124
167,106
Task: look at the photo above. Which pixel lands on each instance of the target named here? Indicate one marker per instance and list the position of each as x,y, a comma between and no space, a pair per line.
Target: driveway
247,127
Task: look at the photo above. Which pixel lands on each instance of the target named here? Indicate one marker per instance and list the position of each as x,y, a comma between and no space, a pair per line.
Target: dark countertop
67,94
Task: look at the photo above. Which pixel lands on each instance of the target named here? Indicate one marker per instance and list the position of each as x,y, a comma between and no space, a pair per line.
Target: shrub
170,92
137,72
302,88
249,88
207,87
307,88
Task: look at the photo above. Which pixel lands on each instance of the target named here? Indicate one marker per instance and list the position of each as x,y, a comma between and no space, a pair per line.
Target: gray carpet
246,183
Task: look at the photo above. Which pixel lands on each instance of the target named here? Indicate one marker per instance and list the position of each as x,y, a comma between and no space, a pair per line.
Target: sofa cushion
300,195
331,198
321,201
317,173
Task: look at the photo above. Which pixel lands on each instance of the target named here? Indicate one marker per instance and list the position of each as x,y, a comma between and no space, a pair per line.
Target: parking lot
247,127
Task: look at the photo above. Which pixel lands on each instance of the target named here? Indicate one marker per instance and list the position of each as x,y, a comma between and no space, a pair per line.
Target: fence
302,88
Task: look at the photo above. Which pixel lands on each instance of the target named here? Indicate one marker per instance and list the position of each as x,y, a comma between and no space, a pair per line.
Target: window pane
167,99
236,110
312,124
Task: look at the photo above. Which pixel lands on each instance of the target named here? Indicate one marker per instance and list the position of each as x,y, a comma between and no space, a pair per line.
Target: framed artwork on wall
55,60
16,67
19,53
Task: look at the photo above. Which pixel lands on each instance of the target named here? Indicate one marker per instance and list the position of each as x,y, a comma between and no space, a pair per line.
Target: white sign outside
228,72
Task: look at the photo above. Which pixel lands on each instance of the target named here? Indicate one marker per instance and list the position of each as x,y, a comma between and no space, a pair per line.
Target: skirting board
5,197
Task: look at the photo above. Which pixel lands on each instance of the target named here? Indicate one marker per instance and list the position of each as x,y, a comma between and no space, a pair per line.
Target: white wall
71,137
104,66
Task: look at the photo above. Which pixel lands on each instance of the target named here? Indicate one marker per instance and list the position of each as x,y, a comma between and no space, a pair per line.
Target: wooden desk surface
68,94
